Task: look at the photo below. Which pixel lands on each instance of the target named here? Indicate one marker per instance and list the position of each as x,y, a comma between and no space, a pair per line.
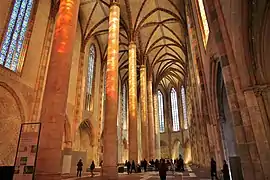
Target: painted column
132,103
151,122
143,96
111,103
168,119
55,94
157,133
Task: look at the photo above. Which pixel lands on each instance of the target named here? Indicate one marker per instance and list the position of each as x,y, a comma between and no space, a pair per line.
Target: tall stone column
151,122
55,94
157,132
111,103
132,103
143,97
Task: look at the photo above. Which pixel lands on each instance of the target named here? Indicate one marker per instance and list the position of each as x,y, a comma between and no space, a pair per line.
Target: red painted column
111,103
151,121
56,91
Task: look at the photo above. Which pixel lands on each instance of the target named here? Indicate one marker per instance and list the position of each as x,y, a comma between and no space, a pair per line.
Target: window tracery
161,112
13,43
175,114
90,74
184,107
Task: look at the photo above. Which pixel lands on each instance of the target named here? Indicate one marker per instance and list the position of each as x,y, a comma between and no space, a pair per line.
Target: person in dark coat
133,167
163,168
144,165
225,171
213,169
128,167
79,168
92,167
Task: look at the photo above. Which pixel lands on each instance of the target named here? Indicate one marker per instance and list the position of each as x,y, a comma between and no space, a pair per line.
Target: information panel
24,168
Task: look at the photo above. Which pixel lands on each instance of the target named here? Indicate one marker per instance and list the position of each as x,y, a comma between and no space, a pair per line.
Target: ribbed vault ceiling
156,26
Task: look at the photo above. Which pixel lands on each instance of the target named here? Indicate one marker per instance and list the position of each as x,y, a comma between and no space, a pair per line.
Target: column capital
132,43
258,89
142,66
115,3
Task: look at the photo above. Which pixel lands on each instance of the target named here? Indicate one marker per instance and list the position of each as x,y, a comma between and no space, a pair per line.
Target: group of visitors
162,166
173,165
225,170
80,168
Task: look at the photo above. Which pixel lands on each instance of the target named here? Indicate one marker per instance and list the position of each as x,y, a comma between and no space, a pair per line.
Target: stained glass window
204,22
175,115
14,37
90,74
161,113
183,93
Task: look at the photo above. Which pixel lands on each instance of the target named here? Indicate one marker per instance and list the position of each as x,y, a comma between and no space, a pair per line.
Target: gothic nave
117,80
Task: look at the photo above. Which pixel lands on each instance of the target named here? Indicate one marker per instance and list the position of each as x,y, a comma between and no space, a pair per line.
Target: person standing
163,168
213,169
145,165
101,167
128,167
79,168
92,167
133,167
225,171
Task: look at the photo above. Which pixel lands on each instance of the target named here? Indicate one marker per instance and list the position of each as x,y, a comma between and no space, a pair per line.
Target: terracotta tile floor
191,173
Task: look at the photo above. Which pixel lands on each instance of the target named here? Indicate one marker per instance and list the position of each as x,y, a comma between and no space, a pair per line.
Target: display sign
24,168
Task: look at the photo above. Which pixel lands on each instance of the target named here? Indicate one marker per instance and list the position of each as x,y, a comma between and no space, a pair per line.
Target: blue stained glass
161,113
175,115
90,72
15,35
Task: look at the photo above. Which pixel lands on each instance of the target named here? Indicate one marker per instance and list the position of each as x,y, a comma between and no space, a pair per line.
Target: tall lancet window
203,22
183,93
90,74
14,42
175,116
161,113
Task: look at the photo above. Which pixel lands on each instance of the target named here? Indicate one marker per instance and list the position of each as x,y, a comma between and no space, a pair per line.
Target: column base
48,176
110,172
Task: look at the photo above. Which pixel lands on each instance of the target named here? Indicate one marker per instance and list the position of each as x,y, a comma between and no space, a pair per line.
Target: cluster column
132,103
157,132
111,103
151,122
55,94
143,96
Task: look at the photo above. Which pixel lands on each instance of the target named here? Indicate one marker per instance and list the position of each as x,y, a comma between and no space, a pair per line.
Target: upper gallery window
14,42
175,116
90,74
184,107
203,22
161,113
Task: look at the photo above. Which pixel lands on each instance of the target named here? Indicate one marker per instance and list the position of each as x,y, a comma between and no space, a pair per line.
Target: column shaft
55,93
132,103
143,97
157,132
111,103
151,123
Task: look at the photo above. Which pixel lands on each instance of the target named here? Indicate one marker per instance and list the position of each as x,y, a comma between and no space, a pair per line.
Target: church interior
117,80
